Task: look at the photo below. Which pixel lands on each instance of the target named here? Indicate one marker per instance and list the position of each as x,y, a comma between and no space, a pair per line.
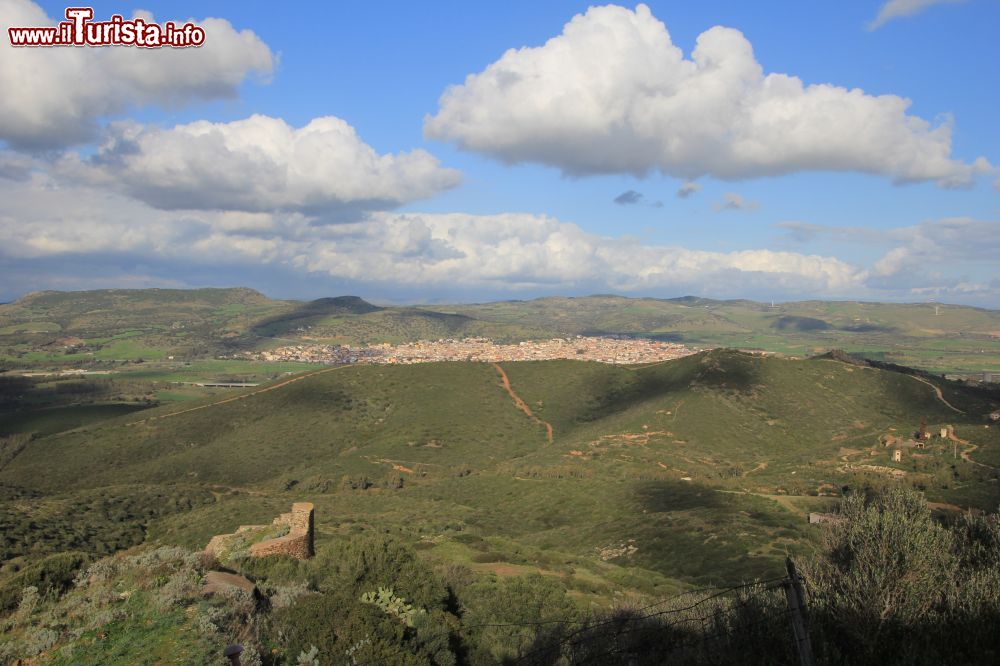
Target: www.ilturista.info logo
80,30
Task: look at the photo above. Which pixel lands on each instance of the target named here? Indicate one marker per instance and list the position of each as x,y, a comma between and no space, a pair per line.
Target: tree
893,585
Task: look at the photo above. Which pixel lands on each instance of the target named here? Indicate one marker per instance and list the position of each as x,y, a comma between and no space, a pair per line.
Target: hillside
641,454
536,491
126,325
941,338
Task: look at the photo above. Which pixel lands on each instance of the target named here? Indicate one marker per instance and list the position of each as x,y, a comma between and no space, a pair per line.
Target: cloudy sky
455,151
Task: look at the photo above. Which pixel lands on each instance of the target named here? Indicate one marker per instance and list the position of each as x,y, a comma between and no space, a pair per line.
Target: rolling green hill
941,338
127,325
707,462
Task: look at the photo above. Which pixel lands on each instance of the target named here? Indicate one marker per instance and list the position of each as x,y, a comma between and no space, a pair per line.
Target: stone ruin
297,543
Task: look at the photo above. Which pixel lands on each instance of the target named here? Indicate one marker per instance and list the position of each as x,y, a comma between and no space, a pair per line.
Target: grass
59,419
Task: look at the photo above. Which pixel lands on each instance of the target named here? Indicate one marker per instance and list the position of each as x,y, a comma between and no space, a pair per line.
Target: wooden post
796,606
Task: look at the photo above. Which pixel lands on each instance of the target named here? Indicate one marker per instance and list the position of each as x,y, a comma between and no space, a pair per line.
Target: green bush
347,631
892,585
52,576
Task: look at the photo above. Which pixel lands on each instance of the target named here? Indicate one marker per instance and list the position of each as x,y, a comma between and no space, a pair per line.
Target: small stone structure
297,543
815,518
897,455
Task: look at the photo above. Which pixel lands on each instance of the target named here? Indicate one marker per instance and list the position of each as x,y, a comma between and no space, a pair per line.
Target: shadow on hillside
660,337
801,324
756,630
868,328
611,394
729,370
313,394
614,393
307,313
669,495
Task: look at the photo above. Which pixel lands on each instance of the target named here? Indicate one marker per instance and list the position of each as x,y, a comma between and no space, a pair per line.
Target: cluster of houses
605,349
919,440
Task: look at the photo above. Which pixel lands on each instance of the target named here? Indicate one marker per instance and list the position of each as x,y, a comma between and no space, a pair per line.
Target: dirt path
238,397
965,452
521,404
937,391
940,396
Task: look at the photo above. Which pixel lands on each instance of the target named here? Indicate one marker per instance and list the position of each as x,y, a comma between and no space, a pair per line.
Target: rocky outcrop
218,582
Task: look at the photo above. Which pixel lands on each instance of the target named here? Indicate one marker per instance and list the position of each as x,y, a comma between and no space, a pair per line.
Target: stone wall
298,543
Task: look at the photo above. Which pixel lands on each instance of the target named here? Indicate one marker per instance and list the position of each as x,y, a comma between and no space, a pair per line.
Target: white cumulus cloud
53,97
42,221
612,93
258,164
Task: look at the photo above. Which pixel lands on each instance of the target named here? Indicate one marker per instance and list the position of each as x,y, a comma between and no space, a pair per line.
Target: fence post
796,605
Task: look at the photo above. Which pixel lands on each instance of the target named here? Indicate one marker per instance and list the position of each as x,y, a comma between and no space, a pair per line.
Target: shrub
893,585
51,576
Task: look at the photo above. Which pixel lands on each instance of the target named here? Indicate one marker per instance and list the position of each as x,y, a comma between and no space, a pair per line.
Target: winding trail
937,391
964,453
244,396
521,404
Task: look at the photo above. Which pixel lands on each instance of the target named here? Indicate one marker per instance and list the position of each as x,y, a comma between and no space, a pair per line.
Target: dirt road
244,396
521,404
940,396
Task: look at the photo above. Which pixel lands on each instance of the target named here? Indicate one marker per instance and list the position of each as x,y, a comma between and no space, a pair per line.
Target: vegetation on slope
119,325
888,584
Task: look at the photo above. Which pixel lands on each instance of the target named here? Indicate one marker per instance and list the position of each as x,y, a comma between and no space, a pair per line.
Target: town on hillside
604,349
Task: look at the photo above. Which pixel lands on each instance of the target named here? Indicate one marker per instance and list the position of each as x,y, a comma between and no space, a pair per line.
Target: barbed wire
568,640
642,609
674,647
584,632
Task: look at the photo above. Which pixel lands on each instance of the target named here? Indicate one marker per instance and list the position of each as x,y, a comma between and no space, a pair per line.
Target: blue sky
145,171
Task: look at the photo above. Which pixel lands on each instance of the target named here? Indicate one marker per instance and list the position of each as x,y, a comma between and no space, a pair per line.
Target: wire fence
713,616
703,625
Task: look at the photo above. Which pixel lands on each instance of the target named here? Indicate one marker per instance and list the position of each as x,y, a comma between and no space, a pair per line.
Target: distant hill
942,338
130,323
153,323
